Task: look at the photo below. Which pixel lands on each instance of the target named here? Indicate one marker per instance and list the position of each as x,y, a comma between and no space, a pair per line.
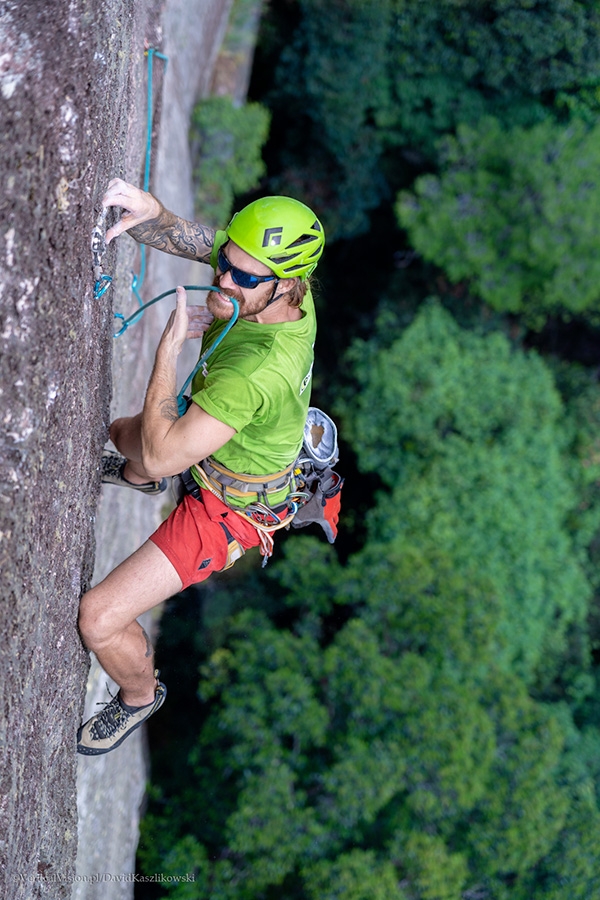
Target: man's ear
286,285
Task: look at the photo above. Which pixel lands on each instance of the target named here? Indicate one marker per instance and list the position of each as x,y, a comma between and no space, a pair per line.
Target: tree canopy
514,212
412,714
403,752
364,91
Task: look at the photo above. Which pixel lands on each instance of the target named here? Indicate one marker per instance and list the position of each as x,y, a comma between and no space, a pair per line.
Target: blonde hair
297,294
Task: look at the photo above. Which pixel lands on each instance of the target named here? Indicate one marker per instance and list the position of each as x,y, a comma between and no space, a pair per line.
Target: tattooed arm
148,222
174,235
171,443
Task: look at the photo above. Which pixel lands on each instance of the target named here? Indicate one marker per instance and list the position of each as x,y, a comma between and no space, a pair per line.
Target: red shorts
194,538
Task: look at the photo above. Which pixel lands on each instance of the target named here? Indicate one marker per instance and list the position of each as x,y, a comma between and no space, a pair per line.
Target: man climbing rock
236,443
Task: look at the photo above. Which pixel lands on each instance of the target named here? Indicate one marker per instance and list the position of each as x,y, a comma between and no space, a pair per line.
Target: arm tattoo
169,409
177,236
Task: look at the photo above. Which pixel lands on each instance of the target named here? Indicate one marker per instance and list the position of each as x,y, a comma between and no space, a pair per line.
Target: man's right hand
185,322
139,206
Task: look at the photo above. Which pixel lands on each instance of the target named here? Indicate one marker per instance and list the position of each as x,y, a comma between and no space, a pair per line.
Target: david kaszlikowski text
98,877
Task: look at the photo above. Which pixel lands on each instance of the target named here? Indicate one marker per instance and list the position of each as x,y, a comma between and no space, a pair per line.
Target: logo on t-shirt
306,380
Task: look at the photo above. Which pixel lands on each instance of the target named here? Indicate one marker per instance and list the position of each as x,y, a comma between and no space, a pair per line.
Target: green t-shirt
258,381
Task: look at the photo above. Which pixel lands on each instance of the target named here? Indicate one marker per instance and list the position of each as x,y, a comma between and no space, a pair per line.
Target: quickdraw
102,282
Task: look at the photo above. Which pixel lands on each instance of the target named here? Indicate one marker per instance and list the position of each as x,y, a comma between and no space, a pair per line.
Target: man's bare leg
108,626
126,435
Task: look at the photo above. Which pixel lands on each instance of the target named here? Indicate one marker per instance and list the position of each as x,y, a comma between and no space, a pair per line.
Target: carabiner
99,288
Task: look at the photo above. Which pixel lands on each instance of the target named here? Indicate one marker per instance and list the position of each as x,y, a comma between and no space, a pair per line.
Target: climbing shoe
109,728
113,465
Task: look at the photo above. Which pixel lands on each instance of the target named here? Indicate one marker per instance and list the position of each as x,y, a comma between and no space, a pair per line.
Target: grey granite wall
111,788
72,115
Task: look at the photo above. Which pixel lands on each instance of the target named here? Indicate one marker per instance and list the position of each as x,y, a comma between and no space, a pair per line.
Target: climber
236,444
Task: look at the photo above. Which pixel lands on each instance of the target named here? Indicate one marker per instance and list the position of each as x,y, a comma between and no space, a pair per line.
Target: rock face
73,101
111,788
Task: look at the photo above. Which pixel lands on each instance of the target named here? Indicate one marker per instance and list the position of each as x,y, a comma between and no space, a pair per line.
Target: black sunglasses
238,276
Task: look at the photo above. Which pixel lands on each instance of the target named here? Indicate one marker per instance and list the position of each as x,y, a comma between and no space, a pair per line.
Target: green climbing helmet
282,233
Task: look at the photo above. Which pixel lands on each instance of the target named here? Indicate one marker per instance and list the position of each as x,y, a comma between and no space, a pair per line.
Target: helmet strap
273,297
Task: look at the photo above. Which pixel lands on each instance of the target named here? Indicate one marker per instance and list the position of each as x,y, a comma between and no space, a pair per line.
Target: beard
221,308
218,305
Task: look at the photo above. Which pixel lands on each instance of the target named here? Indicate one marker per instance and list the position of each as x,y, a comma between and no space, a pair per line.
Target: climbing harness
314,488
265,519
236,489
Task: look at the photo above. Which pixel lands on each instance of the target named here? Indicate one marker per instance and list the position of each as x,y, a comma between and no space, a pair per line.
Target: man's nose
225,279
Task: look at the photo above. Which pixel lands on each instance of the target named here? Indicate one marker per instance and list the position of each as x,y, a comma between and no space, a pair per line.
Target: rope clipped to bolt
102,281
98,244
138,280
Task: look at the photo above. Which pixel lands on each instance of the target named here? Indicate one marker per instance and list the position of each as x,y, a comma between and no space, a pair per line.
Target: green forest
413,713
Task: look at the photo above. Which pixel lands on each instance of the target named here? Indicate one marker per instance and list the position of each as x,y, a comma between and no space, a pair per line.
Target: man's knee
116,429
126,435
96,625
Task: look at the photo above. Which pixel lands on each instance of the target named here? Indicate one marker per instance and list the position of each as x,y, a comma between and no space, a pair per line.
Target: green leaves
267,697
363,91
270,830
388,731
515,824
514,211
383,741
467,433
434,872
356,875
228,141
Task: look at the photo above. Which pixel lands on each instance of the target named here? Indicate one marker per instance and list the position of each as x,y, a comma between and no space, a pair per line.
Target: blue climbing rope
131,320
138,280
181,401
98,244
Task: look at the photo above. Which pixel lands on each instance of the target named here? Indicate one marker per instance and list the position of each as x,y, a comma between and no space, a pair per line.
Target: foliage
327,82
358,80
457,62
228,140
308,569
396,750
578,387
363,769
467,434
515,213
356,875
